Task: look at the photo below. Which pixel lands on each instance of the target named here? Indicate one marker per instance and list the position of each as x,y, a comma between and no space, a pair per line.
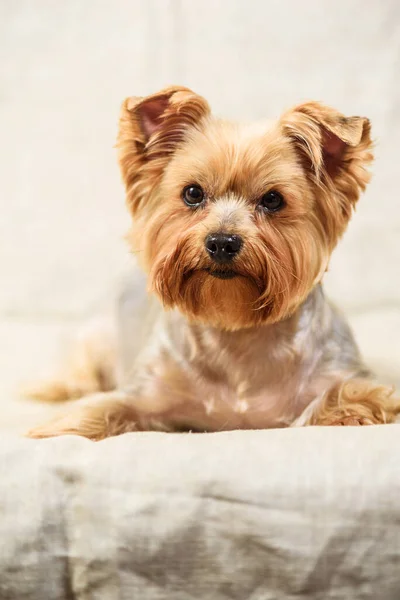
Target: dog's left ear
326,137
335,149
151,129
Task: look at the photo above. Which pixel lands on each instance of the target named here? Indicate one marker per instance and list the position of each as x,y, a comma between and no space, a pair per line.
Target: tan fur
235,165
264,348
96,418
356,402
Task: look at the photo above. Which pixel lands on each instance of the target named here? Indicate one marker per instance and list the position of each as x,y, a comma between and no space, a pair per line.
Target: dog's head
235,224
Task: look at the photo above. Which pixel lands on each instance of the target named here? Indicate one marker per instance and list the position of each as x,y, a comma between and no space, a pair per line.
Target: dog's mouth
222,273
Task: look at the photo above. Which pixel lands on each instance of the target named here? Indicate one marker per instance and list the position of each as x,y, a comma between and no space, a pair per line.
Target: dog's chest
253,403
254,378
253,383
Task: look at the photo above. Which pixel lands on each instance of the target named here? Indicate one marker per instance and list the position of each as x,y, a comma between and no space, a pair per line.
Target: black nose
223,247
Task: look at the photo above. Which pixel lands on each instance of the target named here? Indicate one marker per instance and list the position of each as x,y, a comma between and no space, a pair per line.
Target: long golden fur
252,343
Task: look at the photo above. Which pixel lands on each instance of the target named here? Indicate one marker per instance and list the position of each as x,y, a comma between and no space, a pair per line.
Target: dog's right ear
150,130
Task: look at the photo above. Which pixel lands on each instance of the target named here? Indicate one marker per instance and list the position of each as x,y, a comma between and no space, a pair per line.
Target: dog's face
235,224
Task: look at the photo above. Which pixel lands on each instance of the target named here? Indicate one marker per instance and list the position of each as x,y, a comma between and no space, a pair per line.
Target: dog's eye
272,201
193,195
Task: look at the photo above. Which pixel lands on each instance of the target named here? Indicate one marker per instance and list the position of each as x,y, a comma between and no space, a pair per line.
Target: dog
233,225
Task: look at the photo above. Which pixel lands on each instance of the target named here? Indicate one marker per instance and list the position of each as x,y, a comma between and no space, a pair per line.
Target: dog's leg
95,417
90,368
353,402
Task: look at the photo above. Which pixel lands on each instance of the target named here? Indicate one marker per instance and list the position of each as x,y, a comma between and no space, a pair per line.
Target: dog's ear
336,150
150,131
327,138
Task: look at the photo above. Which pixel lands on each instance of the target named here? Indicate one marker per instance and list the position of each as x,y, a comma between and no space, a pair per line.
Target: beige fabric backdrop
65,67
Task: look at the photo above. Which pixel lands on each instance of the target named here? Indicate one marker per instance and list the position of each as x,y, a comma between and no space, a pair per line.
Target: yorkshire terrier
234,226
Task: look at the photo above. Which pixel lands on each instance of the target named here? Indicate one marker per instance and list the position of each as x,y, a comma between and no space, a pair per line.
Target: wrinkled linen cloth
256,515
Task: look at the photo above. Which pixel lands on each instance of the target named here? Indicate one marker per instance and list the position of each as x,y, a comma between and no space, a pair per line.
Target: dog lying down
234,226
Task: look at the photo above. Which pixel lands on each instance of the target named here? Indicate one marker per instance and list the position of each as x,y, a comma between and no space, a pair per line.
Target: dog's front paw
95,418
74,423
356,402
349,420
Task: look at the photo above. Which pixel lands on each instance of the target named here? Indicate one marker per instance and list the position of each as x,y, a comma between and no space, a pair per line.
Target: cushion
296,513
